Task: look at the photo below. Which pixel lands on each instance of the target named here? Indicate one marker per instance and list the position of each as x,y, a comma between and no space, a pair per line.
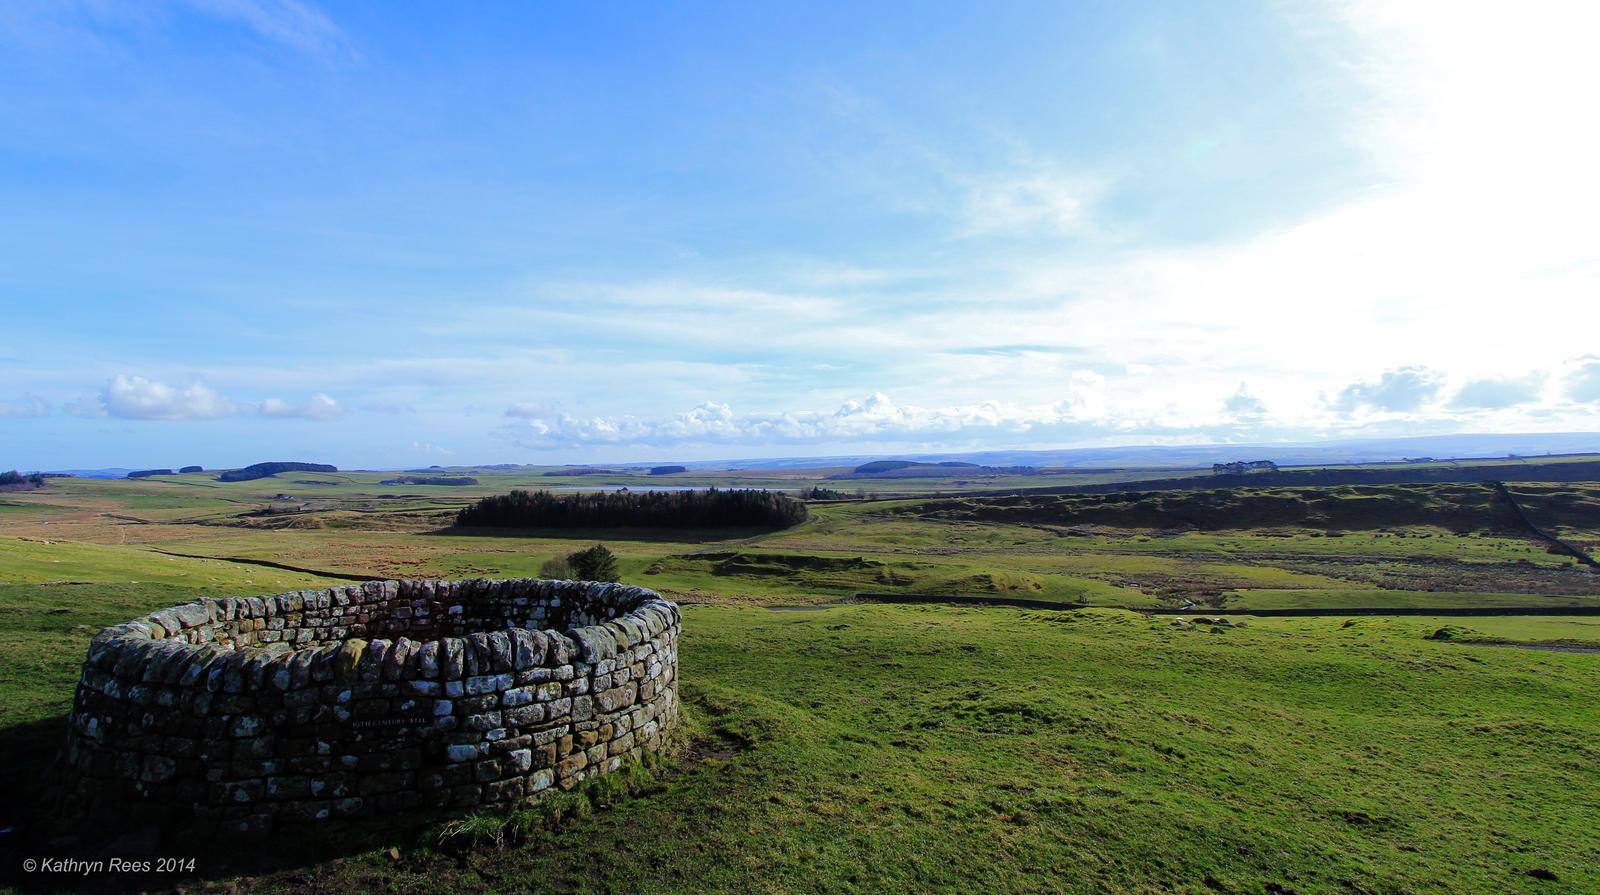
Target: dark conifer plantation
638,509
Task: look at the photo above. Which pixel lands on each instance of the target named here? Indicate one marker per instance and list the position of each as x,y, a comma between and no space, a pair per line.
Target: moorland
1131,739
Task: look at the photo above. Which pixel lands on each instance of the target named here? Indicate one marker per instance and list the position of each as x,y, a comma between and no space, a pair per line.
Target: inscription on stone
366,723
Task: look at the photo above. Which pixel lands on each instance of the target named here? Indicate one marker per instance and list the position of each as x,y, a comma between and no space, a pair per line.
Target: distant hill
908,469
1300,453
878,466
263,470
1548,470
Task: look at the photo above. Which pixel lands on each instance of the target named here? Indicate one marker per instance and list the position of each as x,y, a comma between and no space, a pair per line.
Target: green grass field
876,748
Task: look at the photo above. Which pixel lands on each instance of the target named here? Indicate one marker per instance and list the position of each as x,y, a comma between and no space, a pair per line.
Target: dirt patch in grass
1443,575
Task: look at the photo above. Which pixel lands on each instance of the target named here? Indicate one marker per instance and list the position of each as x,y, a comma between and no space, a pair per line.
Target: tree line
262,470
641,509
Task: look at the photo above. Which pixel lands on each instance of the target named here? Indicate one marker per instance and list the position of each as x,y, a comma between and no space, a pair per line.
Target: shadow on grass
415,843
28,753
29,778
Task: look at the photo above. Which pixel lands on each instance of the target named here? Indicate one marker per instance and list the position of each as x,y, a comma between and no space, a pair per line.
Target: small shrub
555,567
594,564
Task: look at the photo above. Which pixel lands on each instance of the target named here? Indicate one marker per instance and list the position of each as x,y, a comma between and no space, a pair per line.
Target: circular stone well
254,715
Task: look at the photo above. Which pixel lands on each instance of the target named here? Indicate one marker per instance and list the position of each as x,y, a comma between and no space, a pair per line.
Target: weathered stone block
525,715
157,769
571,765
482,722
517,696
289,788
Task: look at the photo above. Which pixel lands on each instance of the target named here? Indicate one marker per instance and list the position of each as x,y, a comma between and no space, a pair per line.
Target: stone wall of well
250,715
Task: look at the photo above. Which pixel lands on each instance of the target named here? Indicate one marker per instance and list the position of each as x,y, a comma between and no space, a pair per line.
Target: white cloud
873,418
317,407
137,398
1244,406
1396,391
30,406
1497,394
1583,384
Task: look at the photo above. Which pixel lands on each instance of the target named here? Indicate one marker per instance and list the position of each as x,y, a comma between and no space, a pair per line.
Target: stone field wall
255,715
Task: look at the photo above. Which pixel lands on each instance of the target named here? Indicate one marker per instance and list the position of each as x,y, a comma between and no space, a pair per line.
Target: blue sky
240,230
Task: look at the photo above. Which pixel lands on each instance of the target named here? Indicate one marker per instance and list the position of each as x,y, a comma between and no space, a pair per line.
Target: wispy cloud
55,26
988,183
288,22
30,406
1035,204
317,407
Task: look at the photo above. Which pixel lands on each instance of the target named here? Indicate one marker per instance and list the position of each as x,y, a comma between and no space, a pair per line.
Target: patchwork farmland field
1114,745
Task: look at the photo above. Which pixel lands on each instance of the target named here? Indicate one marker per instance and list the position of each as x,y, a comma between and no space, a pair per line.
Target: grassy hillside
1461,508
873,748
889,749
